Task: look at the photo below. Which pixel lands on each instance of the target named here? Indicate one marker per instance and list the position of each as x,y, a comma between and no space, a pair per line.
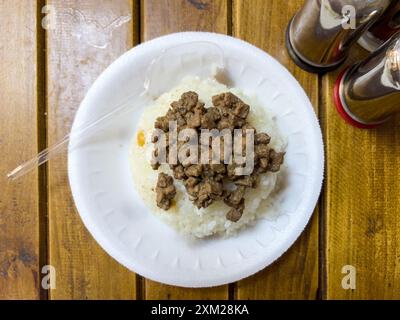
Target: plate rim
106,245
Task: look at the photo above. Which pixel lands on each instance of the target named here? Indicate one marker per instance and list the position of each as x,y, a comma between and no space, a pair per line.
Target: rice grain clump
182,214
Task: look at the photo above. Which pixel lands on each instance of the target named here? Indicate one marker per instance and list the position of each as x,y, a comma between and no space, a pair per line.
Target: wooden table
44,74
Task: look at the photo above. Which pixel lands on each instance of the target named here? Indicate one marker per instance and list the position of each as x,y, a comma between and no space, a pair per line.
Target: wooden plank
160,17
295,275
19,200
362,203
84,270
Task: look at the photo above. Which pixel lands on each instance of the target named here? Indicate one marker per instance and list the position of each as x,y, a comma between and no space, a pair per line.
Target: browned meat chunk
262,138
171,114
208,191
275,160
218,168
192,186
261,151
225,123
207,121
155,165
177,107
193,192
231,168
194,170
194,120
189,100
235,214
262,165
162,123
181,121
191,182
246,181
207,172
204,199
229,103
216,188
165,191
210,118
179,172
233,111
234,198
222,100
164,180
240,109
214,113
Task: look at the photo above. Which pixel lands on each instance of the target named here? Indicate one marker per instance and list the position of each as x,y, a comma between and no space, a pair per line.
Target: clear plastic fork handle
48,153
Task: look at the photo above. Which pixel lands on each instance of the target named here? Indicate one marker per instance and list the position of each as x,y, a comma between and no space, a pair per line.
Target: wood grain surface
295,275
160,17
19,200
361,203
84,270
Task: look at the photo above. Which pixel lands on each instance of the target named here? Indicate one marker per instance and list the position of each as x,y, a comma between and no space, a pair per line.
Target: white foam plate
112,210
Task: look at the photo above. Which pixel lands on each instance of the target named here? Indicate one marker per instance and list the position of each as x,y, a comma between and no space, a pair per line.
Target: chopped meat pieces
165,191
205,183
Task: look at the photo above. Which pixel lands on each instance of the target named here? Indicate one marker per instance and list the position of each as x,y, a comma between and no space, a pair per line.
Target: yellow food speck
141,140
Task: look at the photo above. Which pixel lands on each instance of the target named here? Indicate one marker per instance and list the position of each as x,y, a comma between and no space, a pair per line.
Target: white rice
183,215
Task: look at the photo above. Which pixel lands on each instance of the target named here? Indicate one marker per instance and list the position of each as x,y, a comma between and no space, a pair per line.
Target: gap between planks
42,144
